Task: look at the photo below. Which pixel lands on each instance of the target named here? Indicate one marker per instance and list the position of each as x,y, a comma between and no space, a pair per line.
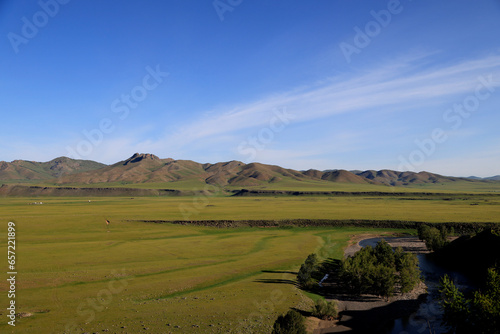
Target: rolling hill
145,168
22,170
149,169
395,178
491,178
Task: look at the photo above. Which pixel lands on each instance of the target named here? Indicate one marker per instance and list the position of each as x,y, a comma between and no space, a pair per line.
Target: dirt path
354,243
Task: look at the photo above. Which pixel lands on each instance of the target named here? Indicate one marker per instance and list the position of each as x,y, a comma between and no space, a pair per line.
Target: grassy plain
132,276
300,185
463,208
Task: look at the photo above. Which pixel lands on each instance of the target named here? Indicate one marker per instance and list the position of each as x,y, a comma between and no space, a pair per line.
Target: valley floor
78,274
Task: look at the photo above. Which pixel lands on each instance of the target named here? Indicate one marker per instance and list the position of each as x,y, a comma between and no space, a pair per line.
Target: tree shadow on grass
330,285
279,272
277,281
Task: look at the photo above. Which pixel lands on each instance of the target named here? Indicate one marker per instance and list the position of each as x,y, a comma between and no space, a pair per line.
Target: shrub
290,323
434,238
324,310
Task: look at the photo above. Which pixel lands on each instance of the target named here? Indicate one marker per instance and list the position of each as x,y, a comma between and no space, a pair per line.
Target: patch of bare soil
315,325
409,244
24,315
355,239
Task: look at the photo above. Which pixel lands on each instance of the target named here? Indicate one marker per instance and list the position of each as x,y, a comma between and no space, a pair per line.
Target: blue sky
408,85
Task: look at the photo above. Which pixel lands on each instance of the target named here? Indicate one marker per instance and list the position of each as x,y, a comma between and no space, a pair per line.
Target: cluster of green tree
434,238
478,314
379,270
291,323
307,269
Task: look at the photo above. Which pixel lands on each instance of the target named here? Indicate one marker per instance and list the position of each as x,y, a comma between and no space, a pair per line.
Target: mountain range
491,178
22,170
148,168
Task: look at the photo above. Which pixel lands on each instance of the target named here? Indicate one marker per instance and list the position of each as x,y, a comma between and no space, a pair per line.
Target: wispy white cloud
405,84
402,84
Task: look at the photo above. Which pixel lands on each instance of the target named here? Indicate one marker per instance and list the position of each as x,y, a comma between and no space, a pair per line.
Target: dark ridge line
15,190
246,192
459,227
57,191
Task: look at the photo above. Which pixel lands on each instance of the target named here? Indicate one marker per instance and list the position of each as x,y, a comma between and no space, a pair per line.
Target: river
428,318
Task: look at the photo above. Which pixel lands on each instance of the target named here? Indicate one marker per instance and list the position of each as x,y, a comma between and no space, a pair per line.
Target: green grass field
76,272
296,185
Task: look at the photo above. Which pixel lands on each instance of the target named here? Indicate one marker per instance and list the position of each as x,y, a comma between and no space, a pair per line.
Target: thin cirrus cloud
402,84
403,87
